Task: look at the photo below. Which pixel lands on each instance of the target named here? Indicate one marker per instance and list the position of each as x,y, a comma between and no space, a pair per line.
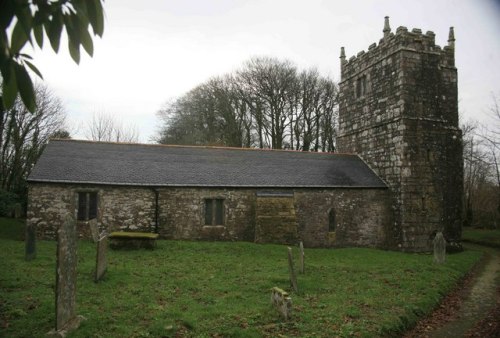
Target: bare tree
23,136
266,104
104,127
481,170
272,81
491,136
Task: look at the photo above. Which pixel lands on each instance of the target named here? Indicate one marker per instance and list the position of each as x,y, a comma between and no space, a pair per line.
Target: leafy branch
30,20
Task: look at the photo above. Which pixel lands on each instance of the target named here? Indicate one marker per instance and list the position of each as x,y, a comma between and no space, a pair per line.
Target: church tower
399,111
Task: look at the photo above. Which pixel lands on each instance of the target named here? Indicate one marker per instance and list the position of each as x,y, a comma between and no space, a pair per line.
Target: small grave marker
94,230
439,248
18,210
301,258
293,277
101,258
281,302
30,242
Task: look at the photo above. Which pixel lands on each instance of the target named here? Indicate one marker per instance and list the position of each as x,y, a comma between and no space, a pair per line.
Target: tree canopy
268,103
30,20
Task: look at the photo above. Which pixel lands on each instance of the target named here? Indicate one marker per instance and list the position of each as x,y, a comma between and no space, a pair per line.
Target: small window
361,88
332,222
214,211
87,206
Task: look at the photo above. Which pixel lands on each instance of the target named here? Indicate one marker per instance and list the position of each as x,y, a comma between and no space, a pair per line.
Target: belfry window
361,88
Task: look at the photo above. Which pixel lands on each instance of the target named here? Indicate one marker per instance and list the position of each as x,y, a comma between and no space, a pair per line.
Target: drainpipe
157,209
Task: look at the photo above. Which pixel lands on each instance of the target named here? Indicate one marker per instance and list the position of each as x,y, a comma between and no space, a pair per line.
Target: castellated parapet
399,111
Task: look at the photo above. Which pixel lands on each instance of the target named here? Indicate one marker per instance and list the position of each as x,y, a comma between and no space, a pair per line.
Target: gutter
157,208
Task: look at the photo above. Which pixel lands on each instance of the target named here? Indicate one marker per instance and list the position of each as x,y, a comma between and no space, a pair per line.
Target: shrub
7,202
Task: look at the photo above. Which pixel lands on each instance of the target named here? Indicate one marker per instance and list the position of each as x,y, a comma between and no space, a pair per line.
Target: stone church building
396,179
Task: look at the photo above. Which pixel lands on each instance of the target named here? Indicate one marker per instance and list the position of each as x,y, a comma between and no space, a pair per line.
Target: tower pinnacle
451,38
387,28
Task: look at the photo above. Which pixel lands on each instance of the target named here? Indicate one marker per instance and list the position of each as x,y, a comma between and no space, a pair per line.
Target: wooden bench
132,240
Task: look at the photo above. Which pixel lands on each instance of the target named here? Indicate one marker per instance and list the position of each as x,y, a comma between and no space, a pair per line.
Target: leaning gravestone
30,242
66,318
439,248
293,276
101,260
301,257
94,230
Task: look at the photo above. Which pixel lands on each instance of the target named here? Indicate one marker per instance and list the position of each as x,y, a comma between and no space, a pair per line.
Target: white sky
153,51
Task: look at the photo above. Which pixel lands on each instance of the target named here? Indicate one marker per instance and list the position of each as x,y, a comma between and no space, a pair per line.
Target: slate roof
71,161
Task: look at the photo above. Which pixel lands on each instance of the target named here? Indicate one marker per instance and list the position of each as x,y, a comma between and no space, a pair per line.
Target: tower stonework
399,111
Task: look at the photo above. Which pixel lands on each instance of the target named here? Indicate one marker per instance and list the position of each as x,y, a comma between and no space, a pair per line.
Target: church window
332,221
214,211
87,206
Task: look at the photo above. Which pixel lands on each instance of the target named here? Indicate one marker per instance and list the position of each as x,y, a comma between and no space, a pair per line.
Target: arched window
332,222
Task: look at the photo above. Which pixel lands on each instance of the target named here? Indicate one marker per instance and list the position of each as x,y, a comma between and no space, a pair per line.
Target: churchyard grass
206,289
482,236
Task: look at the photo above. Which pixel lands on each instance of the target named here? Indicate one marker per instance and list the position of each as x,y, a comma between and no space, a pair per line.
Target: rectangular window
361,88
214,211
87,206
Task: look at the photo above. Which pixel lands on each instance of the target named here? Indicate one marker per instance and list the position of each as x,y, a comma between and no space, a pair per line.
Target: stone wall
363,215
123,208
404,124
182,214
276,220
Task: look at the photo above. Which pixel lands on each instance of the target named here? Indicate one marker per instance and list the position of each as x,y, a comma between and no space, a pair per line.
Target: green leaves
77,16
25,87
54,29
9,85
16,80
96,16
19,38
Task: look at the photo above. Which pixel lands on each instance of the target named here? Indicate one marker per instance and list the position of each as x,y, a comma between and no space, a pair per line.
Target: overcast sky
153,51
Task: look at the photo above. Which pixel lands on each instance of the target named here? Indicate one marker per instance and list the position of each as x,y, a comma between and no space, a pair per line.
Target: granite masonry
361,214
398,111
396,180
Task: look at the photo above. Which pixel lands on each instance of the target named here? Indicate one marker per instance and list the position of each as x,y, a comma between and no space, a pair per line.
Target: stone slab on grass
132,240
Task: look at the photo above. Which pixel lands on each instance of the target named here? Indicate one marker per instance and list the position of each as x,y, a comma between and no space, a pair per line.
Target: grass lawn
482,236
216,289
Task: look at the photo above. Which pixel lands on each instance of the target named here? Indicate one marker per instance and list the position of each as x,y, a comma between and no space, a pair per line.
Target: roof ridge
200,147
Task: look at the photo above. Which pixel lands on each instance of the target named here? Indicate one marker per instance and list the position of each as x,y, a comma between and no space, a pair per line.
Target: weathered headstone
293,277
282,302
66,318
439,248
94,230
30,242
18,210
301,258
101,260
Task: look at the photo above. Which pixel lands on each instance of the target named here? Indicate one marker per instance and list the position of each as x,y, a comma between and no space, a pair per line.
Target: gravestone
439,248
30,242
101,260
66,318
18,210
281,302
301,258
293,277
94,230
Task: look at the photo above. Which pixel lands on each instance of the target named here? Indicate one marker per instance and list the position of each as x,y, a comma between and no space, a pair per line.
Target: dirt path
473,310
